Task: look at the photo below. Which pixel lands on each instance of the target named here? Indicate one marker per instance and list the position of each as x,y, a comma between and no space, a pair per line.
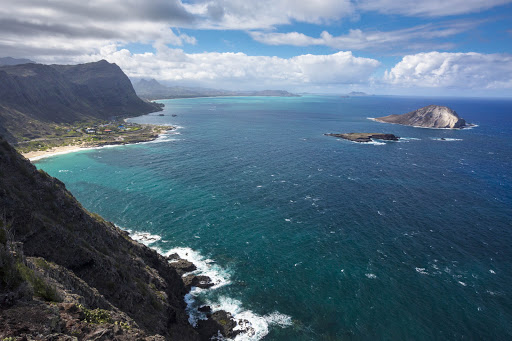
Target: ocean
309,237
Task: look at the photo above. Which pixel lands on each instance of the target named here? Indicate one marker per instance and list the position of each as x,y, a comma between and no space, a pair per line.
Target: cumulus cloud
238,70
430,8
32,27
243,14
452,70
418,37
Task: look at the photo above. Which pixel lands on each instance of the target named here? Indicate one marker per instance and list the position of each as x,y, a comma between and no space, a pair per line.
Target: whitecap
253,327
421,271
145,238
448,139
205,266
370,275
492,271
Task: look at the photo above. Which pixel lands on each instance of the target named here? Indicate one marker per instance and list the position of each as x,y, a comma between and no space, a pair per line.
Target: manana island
432,116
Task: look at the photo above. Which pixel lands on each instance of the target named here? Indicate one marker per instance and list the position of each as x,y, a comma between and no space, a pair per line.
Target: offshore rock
203,282
365,137
432,116
182,266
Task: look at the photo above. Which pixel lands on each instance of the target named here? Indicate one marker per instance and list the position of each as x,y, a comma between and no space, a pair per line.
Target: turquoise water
314,238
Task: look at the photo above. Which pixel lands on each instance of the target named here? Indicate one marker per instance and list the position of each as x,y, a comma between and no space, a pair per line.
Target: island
365,137
432,116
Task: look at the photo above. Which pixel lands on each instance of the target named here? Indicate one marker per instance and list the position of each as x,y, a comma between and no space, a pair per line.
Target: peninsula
152,89
365,137
48,108
432,116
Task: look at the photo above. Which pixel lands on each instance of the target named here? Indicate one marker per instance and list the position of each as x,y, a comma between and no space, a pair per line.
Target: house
90,131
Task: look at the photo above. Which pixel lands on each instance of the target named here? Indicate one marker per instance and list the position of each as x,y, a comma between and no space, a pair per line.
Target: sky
388,47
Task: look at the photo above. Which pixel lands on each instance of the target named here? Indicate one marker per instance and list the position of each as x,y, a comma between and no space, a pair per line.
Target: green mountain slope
35,97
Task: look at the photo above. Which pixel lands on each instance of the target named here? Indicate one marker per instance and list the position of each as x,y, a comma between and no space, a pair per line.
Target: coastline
72,148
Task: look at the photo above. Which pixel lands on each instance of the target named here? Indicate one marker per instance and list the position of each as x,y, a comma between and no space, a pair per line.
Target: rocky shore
215,321
67,274
365,137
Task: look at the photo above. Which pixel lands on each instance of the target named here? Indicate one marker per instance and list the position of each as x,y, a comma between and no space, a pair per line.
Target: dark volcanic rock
205,309
203,282
220,321
432,116
365,137
182,266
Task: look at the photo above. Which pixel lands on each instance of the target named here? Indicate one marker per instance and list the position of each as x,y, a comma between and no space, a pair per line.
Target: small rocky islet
365,137
431,116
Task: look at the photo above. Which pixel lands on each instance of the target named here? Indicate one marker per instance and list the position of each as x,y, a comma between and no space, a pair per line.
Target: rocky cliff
432,116
67,274
34,97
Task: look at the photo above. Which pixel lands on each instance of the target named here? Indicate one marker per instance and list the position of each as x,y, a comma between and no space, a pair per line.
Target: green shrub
42,263
41,288
96,316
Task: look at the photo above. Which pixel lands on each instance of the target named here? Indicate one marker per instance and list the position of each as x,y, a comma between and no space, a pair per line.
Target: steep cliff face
81,258
432,116
35,96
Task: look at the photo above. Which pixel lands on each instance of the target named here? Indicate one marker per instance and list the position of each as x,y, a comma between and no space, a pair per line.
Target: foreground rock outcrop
67,274
365,137
432,116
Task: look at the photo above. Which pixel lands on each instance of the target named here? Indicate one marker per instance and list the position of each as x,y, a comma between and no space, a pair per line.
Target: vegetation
96,316
89,133
41,288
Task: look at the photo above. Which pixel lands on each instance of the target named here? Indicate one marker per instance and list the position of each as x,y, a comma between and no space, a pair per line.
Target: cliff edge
432,116
67,274
34,98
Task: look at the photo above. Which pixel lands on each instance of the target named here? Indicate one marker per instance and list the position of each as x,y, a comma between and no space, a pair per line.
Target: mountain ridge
152,89
36,97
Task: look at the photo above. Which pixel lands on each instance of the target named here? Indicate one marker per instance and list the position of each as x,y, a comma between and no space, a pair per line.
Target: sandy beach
40,154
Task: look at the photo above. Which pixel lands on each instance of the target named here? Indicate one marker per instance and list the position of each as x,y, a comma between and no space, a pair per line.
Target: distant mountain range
14,61
355,94
35,97
152,89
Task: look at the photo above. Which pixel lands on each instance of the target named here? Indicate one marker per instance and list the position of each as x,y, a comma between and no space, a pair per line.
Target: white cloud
452,70
238,70
34,28
414,38
243,14
430,8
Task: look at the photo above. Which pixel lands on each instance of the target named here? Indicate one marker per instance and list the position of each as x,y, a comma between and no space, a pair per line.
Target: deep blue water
315,238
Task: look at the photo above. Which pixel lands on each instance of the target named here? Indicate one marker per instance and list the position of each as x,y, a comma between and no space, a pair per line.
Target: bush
96,316
41,288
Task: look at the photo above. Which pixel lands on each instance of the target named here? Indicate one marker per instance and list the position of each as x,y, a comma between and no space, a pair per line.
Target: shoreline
37,155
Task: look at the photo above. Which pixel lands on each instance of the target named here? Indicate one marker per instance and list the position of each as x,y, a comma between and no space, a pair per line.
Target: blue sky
435,47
